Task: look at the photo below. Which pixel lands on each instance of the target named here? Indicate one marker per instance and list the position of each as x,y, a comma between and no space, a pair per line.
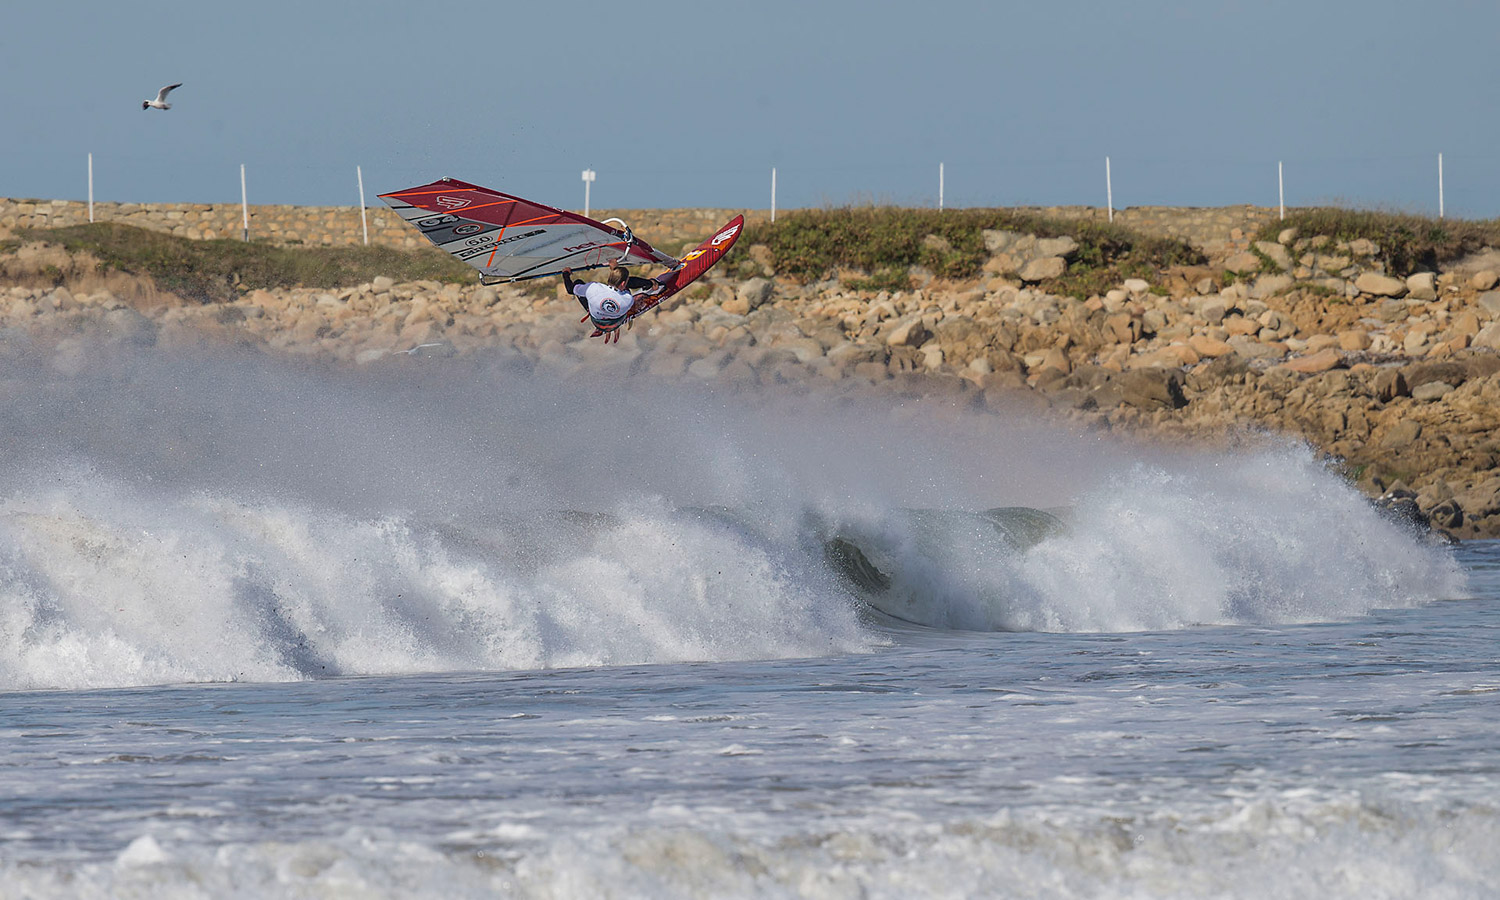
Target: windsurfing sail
510,239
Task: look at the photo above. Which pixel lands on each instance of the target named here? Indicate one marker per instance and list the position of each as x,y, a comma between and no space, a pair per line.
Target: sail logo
432,222
451,202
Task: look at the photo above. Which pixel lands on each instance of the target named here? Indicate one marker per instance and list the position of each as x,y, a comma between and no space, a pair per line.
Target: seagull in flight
161,98
413,351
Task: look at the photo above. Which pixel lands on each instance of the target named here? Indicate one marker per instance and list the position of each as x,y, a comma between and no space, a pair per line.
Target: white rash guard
605,303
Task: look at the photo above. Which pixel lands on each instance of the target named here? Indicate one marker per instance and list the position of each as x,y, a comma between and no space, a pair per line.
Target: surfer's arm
573,288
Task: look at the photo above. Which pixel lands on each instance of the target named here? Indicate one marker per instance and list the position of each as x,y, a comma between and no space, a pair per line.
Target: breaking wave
177,518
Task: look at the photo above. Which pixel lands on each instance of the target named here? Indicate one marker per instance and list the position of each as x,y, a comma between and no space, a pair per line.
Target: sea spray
1270,536
1260,536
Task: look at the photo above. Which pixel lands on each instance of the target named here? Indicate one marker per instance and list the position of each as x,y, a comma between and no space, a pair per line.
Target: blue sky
692,104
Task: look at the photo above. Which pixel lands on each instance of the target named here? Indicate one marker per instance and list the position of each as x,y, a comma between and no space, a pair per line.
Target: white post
588,179
940,187
1109,190
1280,191
1440,185
244,204
773,193
91,187
364,222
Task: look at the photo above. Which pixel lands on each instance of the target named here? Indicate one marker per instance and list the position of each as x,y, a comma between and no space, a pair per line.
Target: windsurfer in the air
608,303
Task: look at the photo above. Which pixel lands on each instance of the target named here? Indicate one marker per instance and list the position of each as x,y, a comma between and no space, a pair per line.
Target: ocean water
457,630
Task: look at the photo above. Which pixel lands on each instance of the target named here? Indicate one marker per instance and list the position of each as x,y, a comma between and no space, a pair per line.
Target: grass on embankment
886,241
220,270
1408,243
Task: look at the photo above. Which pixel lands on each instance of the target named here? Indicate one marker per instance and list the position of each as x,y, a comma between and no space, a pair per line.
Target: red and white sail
510,239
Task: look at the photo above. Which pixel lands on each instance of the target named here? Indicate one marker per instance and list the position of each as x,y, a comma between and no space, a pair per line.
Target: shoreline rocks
1397,381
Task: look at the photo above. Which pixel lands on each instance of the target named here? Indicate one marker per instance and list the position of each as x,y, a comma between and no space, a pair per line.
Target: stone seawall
1217,230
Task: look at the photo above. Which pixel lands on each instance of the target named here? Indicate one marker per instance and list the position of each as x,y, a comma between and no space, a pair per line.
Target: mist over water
183,516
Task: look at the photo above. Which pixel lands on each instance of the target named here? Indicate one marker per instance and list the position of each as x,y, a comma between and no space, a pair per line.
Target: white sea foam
1267,846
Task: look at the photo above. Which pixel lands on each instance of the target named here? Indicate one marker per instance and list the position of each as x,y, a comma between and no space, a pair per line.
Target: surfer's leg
655,285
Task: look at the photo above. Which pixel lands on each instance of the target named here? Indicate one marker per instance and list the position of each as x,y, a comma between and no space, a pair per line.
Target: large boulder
1403,434
910,333
1390,384
1213,310
1151,388
1422,286
1432,390
1250,348
997,241
1065,247
1002,264
962,337
1209,347
1355,339
1392,310
1481,365
848,354
1447,514
1271,285
1219,370
1276,253
1452,374
1088,377
1488,337
751,295
1242,263
1170,356
1379,285
1482,500
1321,361
1044,268
1056,359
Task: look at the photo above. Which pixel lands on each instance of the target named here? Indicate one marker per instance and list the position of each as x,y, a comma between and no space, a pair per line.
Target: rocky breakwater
1397,380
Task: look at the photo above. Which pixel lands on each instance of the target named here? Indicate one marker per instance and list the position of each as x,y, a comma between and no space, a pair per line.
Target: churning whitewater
206,518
